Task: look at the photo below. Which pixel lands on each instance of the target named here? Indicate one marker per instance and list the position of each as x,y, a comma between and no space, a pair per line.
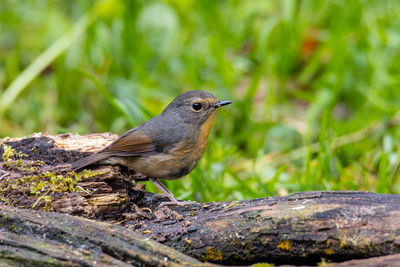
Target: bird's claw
176,203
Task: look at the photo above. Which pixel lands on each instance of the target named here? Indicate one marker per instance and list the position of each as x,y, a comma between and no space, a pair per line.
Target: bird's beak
222,103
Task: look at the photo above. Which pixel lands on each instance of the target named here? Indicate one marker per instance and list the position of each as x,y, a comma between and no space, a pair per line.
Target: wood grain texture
32,238
301,228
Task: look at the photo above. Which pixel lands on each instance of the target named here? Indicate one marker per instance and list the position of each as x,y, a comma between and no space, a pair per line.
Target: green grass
315,85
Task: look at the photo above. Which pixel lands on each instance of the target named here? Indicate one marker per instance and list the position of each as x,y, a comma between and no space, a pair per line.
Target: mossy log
303,228
35,174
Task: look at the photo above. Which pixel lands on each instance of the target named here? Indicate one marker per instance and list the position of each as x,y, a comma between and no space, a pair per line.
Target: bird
168,146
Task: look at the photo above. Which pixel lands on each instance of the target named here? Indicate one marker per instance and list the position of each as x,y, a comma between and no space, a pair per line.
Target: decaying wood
304,228
383,261
301,228
104,192
32,238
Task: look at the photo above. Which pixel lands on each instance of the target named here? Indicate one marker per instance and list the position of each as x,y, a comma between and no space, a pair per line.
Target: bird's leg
173,201
165,190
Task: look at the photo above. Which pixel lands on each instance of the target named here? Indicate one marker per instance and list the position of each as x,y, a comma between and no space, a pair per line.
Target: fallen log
303,228
383,261
33,238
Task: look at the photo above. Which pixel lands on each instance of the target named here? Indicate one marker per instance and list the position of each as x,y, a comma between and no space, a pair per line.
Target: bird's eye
196,106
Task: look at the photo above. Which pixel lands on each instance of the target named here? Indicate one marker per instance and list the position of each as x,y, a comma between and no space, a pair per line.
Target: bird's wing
131,143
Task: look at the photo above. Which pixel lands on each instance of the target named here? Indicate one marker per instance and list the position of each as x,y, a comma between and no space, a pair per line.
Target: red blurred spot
309,45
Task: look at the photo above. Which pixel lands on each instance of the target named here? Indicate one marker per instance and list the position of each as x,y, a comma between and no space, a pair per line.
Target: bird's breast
205,129
192,149
188,153
179,160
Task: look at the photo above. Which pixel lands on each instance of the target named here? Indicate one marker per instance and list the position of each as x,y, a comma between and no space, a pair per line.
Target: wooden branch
303,228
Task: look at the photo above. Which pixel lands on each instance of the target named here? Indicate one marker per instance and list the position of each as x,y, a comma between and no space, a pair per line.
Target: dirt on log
304,228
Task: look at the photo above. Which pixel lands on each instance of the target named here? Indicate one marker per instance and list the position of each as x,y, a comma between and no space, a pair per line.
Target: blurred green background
315,84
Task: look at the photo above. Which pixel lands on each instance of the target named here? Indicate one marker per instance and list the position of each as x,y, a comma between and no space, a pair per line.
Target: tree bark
300,228
35,174
303,228
33,238
383,261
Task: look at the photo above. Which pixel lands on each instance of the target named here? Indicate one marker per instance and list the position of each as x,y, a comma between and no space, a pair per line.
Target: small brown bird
167,146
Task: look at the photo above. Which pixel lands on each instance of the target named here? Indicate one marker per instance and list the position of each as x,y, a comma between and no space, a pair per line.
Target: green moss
3,199
13,160
44,185
262,264
194,212
233,204
329,251
212,254
49,183
285,245
12,228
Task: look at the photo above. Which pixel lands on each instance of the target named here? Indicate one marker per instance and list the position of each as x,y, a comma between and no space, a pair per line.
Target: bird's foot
176,203
173,201
158,195
169,195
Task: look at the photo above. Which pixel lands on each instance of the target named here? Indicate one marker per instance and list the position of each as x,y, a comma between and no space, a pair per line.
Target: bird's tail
89,160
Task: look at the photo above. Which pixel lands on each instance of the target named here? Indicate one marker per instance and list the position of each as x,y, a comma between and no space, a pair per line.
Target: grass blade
42,61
